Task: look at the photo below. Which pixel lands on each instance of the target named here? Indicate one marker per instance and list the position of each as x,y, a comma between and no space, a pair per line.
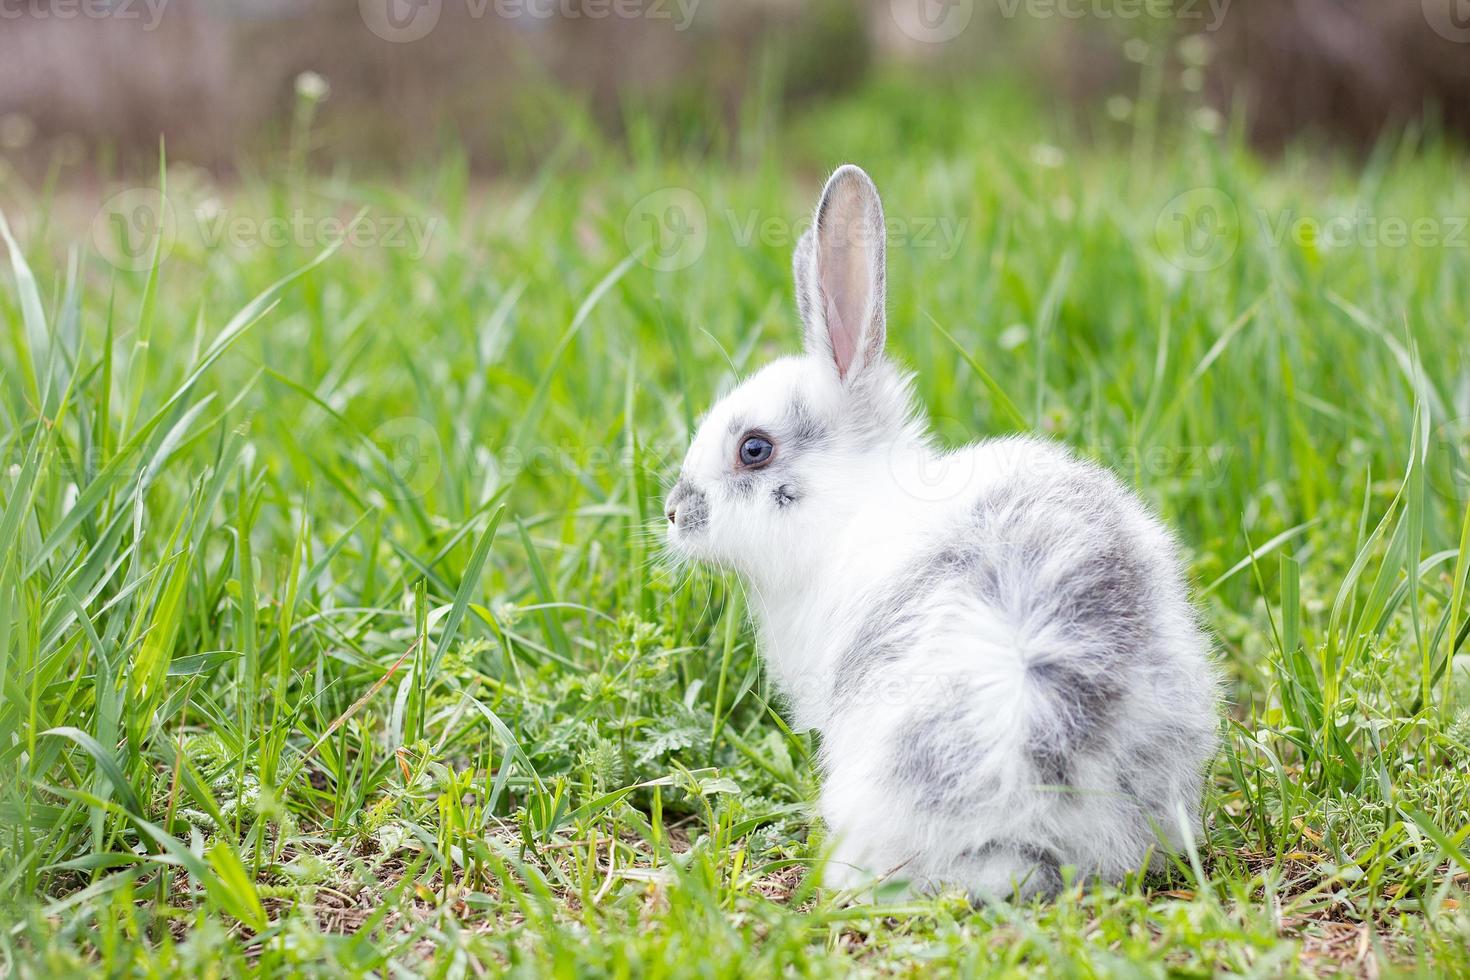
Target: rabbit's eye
755,450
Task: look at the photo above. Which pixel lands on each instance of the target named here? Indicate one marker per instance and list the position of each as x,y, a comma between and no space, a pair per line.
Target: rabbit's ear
839,267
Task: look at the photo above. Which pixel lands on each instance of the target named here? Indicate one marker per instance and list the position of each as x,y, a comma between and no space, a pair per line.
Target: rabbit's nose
675,497
686,507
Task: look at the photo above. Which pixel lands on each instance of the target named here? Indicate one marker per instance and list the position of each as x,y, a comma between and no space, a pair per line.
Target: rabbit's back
1035,678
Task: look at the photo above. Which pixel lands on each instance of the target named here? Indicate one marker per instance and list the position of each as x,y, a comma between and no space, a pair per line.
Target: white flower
1207,120
1048,156
1196,50
311,87
16,131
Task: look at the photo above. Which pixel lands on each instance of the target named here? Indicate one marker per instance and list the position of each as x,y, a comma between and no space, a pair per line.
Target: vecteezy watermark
135,224
1450,19
932,21
1448,462
406,451
939,233
1198,230
670,228
1203,467
1202,228
882,688
220,227
1184,12
933,476
929,476
938,21
936,476
400,20
404,458
403,21
1363,229
148,12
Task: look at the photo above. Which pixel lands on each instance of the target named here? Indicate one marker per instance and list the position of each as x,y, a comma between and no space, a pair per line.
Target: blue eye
755,450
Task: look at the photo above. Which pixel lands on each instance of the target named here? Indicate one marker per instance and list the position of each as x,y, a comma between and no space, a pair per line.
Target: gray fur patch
1107,599
1031,852
744,483
807,431
689,505
1079,704
1140,779
932,761
891,624
1043,868
1101,605
888,629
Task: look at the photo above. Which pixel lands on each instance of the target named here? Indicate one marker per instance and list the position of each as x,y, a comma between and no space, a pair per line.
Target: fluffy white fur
994,643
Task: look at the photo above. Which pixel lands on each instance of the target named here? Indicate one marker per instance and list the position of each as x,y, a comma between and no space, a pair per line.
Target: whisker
721,347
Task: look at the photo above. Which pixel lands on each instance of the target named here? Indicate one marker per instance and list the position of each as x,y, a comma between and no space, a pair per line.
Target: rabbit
995,644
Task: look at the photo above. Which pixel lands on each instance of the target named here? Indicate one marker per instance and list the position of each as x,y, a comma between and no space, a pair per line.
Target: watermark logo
1450,19
1201,467
934,476
411,454
148,12
217,227
132,225
932,21
680,13
1211,12
1449,459
1198,230
940,234
400,21
669,228
1202,228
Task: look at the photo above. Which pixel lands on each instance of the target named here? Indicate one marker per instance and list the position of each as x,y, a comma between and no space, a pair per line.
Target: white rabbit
995,643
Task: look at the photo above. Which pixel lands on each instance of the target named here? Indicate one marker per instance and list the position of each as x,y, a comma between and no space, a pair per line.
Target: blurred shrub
1343,67
215,78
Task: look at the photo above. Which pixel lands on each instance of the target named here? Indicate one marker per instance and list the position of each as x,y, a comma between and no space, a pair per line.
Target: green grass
334,636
